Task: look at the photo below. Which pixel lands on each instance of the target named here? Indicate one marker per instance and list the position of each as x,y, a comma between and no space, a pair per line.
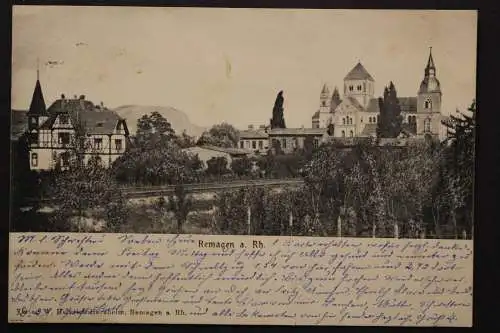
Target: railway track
153,191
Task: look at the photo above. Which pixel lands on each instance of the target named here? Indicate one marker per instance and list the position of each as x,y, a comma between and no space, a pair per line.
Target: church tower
37,113
324,99
429,100
359,84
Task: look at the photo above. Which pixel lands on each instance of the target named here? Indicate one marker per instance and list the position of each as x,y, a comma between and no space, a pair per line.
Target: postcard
242,166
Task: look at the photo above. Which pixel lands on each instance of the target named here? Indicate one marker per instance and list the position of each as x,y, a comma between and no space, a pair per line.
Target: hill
178,119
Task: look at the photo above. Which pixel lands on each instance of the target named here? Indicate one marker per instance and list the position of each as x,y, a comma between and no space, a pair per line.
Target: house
357,113
53,133
205,153
291,139
254,139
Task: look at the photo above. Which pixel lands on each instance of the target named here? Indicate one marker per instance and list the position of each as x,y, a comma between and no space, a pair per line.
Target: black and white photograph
218,121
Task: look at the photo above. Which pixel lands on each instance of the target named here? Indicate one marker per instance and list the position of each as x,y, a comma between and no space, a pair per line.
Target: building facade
358,112
53,132
254,139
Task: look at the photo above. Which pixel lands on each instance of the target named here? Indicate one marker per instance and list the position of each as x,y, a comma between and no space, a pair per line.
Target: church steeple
430,69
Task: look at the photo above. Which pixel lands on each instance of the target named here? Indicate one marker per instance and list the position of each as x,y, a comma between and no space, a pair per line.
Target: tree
217,166
389,125
241,166
220,135
278,120
459,161
181,204
153,129
185,141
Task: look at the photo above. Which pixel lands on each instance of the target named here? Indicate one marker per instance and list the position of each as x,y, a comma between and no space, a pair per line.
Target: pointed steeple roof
37,106
430,63
325,89
359,72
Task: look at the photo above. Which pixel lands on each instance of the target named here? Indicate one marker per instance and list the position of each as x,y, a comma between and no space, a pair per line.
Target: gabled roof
93,119
359,73
37,106
355,103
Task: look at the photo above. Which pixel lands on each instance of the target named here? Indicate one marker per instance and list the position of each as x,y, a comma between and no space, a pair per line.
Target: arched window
351,88
343,121
359,87
323,103
343,134
351,134
428,104
427,125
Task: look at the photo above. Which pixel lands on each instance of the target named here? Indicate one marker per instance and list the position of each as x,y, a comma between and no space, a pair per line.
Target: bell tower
324,99
429,100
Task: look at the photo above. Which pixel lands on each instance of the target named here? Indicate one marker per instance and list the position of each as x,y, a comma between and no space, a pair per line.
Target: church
356,113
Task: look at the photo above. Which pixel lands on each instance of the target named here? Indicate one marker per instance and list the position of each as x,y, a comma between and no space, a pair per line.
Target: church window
343,121
427,125
242,144
34,159
361,119
351,134
254,144
343,134
284,143
316,143
323,103
261,144
351,88
359,87
428,104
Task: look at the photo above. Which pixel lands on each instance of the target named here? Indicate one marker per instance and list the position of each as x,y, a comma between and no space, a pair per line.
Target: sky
227,65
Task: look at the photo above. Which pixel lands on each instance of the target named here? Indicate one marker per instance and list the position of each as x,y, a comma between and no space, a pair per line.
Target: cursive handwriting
173,279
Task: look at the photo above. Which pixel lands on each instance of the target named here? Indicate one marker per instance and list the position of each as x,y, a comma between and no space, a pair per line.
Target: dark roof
253,134
37,106
373,105
94,119
369,130
18,123
297,131
408,104
359,73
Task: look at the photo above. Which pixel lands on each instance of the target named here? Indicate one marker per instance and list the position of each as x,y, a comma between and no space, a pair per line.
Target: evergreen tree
278,120
389,125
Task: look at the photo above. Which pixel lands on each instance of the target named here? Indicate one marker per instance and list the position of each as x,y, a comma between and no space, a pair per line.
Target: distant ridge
177,118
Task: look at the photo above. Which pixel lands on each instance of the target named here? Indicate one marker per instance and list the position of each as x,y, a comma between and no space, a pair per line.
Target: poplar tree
390,120
278,120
